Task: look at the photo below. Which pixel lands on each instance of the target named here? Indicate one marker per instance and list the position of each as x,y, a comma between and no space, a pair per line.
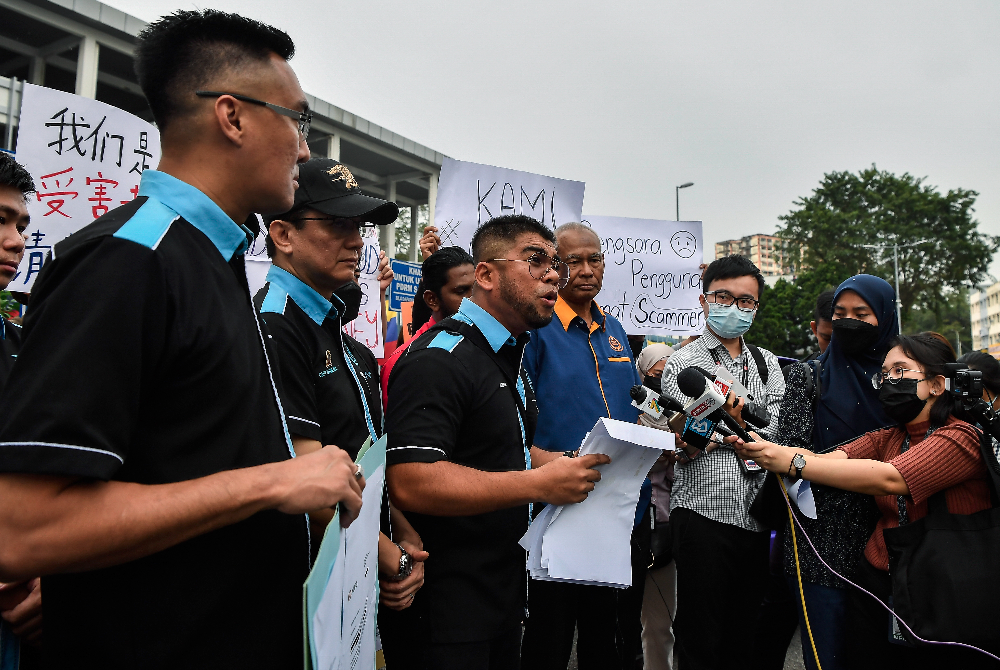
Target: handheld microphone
653,403
708,403
711,405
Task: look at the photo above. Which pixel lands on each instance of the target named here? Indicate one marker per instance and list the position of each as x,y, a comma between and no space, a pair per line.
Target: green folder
370,457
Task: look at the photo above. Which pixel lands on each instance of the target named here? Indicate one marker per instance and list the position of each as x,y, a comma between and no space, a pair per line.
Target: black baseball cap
329,187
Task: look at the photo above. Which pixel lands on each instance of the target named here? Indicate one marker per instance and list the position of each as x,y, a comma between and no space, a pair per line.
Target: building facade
768,252
984,313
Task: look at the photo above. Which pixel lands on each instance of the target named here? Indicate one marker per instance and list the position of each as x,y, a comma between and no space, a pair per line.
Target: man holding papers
581,370
460,425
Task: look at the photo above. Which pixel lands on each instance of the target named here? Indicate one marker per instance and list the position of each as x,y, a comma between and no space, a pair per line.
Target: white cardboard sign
470,194
86,158
651,276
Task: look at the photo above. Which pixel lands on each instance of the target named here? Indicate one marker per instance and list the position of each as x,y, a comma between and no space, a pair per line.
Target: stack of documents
589,542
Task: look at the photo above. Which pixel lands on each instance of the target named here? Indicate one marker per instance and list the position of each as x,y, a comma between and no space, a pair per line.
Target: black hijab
849,406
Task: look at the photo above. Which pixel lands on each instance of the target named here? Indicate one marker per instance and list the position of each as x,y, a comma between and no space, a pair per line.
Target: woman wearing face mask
990,367
929,450
828,403
659,599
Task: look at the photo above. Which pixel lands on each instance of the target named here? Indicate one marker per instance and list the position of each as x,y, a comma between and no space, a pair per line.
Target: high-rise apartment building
984,312
768,252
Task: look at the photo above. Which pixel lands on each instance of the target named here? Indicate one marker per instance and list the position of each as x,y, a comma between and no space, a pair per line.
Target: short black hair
989,366
494,237
13,174
731,267
179,53
932,350
824,305
421,311
434,271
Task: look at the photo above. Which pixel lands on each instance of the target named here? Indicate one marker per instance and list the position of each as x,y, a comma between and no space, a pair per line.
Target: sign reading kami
405,278
651,276
86,158
470,194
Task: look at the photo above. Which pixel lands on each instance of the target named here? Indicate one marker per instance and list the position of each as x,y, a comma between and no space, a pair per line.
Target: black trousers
868,634
406,645
777,617
722,575
607,619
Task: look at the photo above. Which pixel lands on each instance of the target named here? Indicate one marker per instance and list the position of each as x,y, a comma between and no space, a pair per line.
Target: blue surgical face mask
729,322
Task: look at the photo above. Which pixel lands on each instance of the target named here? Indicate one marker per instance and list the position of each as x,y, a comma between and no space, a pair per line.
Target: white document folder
589,542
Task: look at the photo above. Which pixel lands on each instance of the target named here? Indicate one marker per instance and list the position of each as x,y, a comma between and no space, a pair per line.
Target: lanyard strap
349,359
746,365
904,517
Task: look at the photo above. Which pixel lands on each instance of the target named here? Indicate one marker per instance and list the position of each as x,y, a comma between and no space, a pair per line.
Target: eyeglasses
727,299
893,376
539,265
594,260
304,118
342,225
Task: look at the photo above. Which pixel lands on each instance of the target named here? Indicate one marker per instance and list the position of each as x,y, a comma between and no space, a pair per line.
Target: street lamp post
677,197
895,269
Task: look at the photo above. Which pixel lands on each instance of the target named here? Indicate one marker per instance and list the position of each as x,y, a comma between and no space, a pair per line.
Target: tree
876,207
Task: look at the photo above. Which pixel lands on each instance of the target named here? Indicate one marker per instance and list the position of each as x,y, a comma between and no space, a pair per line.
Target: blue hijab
849,406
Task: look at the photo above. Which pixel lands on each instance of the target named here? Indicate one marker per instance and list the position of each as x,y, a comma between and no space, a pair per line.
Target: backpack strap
758,358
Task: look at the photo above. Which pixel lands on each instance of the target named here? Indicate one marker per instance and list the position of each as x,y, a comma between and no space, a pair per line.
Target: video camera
967,386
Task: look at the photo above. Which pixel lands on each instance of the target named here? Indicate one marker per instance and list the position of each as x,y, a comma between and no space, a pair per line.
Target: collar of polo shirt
492,330
566,314
307,298
197,209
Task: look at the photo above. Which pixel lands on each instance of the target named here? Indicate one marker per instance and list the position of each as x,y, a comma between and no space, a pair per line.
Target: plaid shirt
714,484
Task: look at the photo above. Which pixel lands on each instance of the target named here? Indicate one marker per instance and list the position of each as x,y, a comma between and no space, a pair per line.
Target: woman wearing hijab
659,599
842,406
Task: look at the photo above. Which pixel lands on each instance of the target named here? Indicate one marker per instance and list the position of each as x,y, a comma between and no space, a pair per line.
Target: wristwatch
405,564
798,462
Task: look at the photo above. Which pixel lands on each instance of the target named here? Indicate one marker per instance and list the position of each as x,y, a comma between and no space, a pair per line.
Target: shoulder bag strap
758,358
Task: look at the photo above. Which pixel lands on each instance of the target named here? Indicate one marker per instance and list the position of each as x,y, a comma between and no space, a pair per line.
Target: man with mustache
461,420
582,369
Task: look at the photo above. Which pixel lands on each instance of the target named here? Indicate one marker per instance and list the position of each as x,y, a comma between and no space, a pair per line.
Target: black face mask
854,336
900,401
352,295
653,383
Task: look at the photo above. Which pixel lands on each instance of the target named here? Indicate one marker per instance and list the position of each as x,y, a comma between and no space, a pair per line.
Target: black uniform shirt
143,361
330,384
10,344
456,395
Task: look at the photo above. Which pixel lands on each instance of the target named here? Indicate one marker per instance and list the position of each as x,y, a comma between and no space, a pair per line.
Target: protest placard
470,194
86,158
651,276
405,278
367,328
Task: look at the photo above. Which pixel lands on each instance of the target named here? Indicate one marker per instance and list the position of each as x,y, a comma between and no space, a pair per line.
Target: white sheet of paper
801,495
360,577
589,542
327,620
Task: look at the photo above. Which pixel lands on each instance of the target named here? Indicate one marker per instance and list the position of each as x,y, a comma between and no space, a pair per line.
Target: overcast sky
753,102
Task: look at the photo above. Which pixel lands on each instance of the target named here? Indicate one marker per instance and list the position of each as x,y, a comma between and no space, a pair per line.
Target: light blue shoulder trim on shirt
309,301
492,329
149,224
274,300
197,209
445,340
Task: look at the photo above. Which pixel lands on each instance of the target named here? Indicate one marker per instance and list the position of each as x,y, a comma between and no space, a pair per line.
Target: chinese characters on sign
86,158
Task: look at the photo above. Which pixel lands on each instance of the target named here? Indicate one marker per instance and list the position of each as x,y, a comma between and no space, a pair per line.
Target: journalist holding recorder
902,466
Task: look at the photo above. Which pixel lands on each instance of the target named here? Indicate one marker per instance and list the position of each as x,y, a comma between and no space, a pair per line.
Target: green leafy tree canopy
874,207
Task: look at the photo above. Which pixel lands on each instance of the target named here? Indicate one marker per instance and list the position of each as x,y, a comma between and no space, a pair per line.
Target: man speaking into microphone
720,550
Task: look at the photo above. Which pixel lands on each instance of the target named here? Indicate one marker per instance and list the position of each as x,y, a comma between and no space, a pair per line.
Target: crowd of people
172,448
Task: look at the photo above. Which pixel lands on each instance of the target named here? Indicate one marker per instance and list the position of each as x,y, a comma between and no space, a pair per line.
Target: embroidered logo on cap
615,344
339,172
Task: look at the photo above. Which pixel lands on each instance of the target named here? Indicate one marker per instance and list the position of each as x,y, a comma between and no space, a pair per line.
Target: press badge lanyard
349,359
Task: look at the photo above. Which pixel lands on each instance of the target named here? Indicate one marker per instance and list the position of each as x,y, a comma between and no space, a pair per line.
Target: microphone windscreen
691,382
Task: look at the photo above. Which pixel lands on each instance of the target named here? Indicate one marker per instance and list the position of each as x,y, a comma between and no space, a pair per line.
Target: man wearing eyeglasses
145,471
460,421
582,369
721,551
